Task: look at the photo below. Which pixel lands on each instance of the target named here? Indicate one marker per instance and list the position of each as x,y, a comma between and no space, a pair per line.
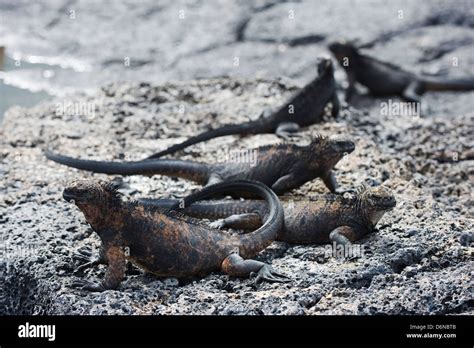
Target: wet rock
427,44
294,22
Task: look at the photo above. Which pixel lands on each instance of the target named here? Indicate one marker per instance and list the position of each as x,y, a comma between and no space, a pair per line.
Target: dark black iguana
305,108
323,219
282,167
168,244
382,78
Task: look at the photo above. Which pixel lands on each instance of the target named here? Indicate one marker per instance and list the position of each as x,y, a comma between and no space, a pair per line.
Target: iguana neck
360,214
105,216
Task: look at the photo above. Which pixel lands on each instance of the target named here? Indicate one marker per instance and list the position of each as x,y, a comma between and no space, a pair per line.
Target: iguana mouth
69,196
345,148
349,147
389,203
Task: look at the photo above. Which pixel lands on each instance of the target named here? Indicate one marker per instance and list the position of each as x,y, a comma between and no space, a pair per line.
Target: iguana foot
86,265
83,255
288,131
267,273
219,224
83,266
89,285
286,136
342,191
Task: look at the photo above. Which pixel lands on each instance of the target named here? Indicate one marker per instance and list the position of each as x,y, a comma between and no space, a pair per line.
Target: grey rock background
418,262
188,39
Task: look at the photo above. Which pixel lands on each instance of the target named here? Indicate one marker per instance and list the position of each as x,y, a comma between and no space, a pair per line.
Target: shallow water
13,93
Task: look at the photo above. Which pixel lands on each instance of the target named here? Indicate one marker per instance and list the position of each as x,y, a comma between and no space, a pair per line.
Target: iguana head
324,66
342,49
327,151
375,201
96,199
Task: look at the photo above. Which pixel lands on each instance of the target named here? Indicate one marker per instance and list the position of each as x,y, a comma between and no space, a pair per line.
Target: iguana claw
269,274
89,285
83,255
219,224
86,265
342,191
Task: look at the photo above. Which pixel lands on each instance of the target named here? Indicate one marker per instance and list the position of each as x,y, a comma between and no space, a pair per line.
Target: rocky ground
418,262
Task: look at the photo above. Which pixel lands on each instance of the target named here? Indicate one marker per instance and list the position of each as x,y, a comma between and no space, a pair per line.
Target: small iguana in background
323,219
382,78
168,244
282,167
305,108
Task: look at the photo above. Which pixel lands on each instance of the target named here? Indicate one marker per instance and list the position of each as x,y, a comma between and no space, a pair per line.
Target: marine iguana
323,219
382,78
282,167
303,109
167,244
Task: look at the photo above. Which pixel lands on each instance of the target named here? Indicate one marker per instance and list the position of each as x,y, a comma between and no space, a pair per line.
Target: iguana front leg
329,179
213,179
412,92
336,105
249,221
351,88
86,256
236,266
286,182
345,236
115,272
341,235
287,130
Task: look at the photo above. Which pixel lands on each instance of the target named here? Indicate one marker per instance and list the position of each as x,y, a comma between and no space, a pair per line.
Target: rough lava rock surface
419,261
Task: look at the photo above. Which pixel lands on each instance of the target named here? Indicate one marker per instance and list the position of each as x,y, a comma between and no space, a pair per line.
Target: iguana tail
435,84
252,127
195,171
250,243
215,209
